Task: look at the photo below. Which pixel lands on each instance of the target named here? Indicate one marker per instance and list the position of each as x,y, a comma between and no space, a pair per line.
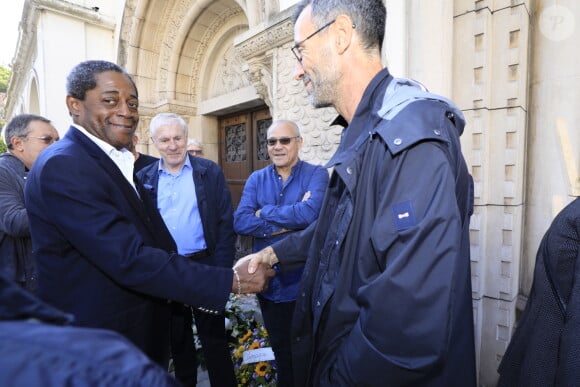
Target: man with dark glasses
26,135
278,200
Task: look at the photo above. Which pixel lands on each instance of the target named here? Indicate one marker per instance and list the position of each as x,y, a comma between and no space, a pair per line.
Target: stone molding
252,44
87,15
183,108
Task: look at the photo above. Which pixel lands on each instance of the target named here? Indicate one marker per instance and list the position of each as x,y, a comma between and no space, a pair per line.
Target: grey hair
194,141
277,123
369,17
163,119
18,127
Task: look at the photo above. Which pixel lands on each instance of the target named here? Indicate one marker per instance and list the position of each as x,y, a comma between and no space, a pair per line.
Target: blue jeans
278,322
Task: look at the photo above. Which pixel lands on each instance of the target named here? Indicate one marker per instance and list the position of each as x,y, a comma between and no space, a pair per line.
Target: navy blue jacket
103,251
386,292
38,348
215,207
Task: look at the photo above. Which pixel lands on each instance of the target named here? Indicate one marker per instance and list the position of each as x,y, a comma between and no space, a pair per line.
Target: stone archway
178,52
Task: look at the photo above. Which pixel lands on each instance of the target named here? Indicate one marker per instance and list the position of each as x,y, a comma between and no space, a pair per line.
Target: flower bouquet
251,353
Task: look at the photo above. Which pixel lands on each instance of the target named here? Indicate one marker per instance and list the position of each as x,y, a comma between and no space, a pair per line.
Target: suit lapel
112,170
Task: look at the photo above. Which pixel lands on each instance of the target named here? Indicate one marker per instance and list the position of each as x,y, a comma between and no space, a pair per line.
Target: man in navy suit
102,249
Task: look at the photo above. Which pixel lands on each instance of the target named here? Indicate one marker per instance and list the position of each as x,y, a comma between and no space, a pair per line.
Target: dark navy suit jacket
104,253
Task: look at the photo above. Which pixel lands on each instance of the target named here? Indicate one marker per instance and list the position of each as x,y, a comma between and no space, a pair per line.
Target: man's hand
254,282
266,256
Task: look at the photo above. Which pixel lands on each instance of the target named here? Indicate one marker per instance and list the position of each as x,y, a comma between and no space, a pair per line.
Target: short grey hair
163,119
18,127
194,141
369,17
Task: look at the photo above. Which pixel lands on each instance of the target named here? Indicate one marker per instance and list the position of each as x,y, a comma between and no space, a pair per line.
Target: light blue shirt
177,203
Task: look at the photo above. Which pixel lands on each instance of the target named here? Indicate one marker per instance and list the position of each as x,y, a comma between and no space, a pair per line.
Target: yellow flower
246,336
262,368
239,351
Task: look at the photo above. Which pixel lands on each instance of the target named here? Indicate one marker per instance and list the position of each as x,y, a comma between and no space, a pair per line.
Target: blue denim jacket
281,207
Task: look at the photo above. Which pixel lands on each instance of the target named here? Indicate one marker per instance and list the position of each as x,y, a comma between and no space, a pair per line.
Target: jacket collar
14,163
364,119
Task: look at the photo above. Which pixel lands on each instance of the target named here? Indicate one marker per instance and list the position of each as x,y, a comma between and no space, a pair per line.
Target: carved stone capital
260,74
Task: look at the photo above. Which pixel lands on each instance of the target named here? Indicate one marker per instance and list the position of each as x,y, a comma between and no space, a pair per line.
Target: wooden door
243,147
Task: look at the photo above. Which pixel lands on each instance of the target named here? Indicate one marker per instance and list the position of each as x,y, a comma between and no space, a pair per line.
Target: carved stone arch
141,38
190,26
219,63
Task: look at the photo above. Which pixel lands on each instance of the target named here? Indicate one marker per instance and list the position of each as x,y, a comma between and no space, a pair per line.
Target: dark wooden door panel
243,147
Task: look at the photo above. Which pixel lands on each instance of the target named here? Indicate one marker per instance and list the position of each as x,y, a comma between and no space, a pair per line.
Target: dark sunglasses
44,139
283,140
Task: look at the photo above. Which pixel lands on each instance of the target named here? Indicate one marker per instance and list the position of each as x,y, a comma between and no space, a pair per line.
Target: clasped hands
253,272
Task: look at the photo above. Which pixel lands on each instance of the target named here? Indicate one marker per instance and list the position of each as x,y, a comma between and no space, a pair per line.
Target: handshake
253,272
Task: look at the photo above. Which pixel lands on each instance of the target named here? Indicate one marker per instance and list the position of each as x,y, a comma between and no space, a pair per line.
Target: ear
73,105
17,143
344,27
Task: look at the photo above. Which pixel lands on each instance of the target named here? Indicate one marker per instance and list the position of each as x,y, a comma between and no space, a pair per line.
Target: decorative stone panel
498,318
320,139
270,69
490,85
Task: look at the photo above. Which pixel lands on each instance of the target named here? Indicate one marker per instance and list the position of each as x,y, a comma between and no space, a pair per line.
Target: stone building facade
226,66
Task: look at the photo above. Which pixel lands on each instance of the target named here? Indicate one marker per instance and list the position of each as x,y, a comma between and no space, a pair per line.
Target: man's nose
124,109
298,71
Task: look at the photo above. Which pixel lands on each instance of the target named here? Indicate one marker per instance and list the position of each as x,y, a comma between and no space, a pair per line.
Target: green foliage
2,145
4,78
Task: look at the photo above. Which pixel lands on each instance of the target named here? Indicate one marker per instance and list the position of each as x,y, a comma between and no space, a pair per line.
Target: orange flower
262,368
255,345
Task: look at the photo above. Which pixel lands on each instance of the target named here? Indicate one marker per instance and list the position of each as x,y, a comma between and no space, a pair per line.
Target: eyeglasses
296,48
283,140
195,152
45,139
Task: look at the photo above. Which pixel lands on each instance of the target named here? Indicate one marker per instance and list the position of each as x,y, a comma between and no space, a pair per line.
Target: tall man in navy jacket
102,250
194,201
385,298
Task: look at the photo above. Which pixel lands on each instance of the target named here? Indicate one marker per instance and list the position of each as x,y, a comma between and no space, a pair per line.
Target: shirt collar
161,167
105,146
294,168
